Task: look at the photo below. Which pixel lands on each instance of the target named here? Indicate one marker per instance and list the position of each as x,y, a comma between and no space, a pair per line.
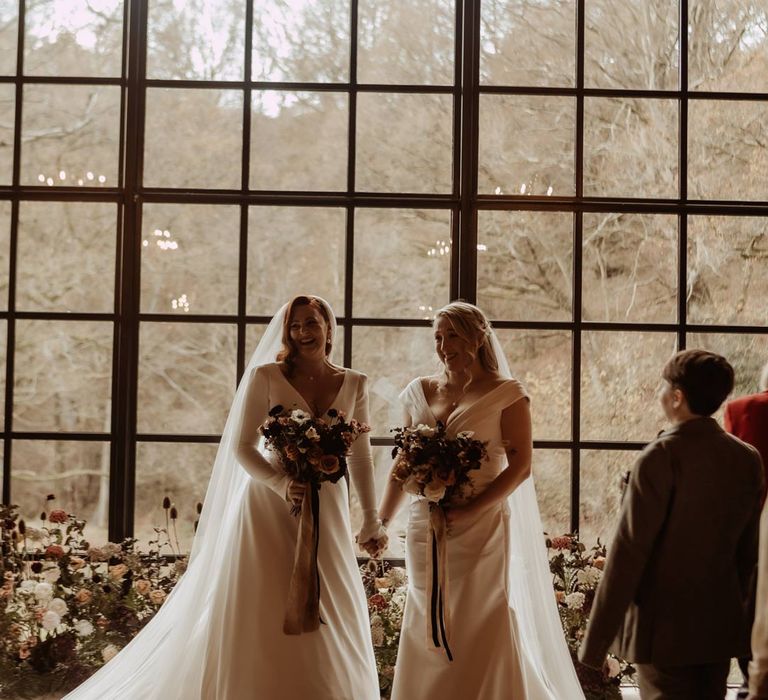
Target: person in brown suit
673,593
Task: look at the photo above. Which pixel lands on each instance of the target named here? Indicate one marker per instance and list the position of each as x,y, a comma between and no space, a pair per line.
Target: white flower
312,434
52,573
34,534
396,577
411,485
434,491
300,416
50,620
575,600
465,434
27,586
58,606
43,591
425,430
589,576
108,652
614,667
83,628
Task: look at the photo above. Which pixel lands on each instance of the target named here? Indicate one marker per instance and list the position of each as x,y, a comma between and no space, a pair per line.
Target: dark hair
704,378
288,352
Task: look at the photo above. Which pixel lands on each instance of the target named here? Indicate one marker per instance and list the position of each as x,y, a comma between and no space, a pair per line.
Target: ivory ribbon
439,618
303,611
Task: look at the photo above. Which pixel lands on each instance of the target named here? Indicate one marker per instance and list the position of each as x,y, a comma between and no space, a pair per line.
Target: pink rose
142,586
599,563
76,562
83,596
117,571
157,596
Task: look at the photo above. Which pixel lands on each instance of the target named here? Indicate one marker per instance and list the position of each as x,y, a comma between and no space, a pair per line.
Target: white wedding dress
493,658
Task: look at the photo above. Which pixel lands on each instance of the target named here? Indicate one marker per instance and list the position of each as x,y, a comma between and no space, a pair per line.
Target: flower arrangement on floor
576,572
67,607
385,587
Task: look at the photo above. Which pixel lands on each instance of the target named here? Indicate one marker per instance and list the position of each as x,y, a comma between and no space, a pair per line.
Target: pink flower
563,542
83,596
599,562
157,596
142,586
58,516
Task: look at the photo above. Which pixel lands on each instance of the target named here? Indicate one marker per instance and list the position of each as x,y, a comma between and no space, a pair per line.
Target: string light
182,303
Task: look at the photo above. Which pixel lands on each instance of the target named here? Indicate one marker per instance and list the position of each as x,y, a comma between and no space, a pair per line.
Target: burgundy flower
54,551
58,516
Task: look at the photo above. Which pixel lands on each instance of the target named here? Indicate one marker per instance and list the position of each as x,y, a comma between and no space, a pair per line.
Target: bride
219,636
489,628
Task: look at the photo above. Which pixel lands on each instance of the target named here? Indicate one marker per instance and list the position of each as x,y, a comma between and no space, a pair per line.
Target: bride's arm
516,433
394,495
255,412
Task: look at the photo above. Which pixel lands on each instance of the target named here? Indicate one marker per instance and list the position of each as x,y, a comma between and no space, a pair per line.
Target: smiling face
309,332
455,352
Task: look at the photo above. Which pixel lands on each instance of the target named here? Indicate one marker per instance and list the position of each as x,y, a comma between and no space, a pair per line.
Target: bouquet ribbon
438,619
303,611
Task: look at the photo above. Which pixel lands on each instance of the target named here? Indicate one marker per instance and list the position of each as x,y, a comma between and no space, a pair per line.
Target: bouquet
311,451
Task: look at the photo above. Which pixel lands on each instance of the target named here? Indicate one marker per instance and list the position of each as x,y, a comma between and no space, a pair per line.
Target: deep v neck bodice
458,411
306,403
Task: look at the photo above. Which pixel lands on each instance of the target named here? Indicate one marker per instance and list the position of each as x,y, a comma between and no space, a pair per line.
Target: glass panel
631,45
408,253
541,360
299,140
727,270
726,151
630,268
295,250
7,120
526,145
727,43
3,354
70,135
404,143
630,147
189,258
302,42
186,377
528,42
62,37
178,153
525,265
620,380
196,39
66,256
602,484
5,242
9,37
179,471
391,357
75,472
746,353
63,376
406,43
552,473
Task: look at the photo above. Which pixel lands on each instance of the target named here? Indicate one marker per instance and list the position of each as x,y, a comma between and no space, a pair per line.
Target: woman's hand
375,546
296,490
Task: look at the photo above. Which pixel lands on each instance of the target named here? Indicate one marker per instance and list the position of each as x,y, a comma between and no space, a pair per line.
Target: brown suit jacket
677,574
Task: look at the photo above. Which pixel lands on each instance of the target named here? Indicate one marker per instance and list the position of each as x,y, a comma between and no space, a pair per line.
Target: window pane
178,153
631,45
5,241
299,140
7,117
727,156
302,42
630,147
552,474
70,135
186,377
630,268
75,472
541,360
179,471
526,42
196,39
9,37
404,143
189,258
408,253
391,357
620,380
406,43
62,37
295,250
524,265
3,355
727,270
727,46
602,473
63,376
66,256
526,145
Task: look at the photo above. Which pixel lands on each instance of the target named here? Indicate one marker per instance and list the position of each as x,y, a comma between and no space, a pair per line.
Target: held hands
373,539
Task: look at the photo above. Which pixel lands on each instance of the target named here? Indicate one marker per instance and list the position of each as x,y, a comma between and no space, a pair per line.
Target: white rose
52,574
575,600
614,667
411,485
434,491
300,416
589,576
28,586
58,606
465,434
83,628
312,434
425,430
43,591
50,620
109,652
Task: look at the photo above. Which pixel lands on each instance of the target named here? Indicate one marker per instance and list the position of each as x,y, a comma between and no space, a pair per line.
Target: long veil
166,659
531,594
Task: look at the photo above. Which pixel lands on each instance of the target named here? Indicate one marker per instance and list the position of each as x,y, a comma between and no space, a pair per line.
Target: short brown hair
288,352
704,378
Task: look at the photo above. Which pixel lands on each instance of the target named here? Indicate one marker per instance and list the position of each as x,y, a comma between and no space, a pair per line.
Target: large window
170,173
